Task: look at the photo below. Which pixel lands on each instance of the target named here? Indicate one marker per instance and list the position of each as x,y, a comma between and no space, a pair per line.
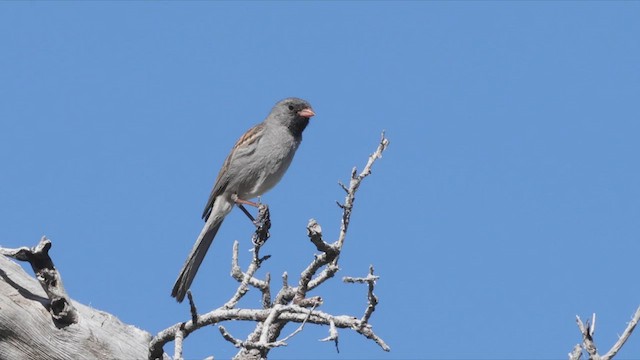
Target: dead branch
371,297
291,303
60,307
588,344
28,330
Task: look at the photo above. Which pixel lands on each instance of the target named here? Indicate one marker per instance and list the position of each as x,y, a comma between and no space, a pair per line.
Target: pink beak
306,113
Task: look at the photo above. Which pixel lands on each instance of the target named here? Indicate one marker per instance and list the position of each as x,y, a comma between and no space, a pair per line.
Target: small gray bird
256,163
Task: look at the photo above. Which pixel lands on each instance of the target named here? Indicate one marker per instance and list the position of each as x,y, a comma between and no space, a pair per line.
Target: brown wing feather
222,180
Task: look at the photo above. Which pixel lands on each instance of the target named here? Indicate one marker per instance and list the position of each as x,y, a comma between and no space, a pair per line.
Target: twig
587,338
266,292
333,335
239,275
329,253
369,334
273,315
354,184
244,280
343,186
314,232
192,307
260,236
328,272
178,344
372,299
576,353
625,336
227,336
299,329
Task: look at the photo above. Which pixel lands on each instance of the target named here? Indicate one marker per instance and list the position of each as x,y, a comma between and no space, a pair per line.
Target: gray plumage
256,164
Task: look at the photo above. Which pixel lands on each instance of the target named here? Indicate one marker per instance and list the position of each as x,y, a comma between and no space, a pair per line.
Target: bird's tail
190,267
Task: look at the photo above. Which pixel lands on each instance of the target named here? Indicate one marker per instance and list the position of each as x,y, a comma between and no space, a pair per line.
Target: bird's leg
241,203
246,212
246,202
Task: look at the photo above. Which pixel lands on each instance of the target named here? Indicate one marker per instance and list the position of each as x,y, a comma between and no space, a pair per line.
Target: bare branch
273,315
343,186
587,338
576,353
266,292
286,292
244,278
354,184
192,307
285,313
314,232
328,272
329,253
369,334
299,329
588,342
624,337
371,297
178,344
333,335
227,336
260,237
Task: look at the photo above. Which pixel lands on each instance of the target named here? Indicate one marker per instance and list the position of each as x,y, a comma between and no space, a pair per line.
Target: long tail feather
190,267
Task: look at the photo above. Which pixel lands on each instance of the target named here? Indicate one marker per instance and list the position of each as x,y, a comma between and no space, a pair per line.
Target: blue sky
507,203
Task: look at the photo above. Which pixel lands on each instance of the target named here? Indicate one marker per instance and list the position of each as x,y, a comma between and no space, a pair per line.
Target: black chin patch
298,125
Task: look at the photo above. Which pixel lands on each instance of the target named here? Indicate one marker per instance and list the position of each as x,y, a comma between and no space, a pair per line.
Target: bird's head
294,113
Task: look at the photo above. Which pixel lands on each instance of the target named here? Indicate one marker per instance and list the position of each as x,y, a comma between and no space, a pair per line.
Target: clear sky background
507,203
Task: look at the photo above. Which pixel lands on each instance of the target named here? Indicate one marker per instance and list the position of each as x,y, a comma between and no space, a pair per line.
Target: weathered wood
27,330
60,306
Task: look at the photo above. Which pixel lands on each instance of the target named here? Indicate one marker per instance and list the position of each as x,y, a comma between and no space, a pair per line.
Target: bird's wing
244,146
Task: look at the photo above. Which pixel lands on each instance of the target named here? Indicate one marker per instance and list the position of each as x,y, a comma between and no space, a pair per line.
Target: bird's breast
270,162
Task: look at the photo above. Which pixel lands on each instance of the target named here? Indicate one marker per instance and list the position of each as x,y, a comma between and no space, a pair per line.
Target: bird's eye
290,107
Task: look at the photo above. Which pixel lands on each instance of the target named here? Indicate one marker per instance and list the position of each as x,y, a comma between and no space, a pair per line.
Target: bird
256,163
